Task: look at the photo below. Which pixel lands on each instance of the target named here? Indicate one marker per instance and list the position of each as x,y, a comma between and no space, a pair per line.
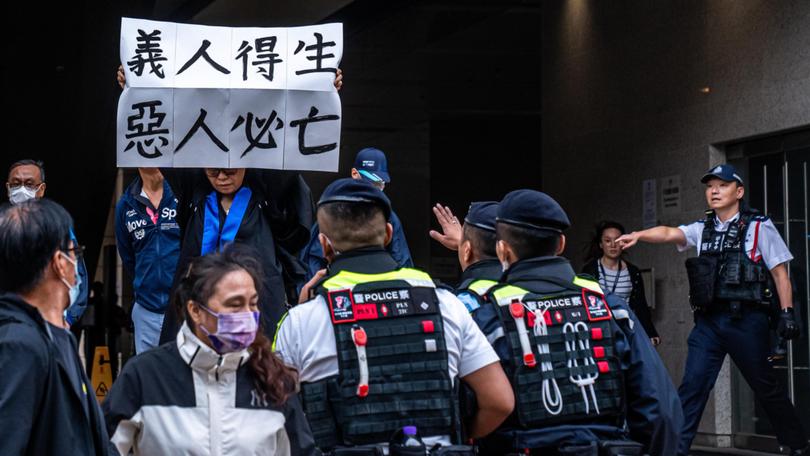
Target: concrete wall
642,90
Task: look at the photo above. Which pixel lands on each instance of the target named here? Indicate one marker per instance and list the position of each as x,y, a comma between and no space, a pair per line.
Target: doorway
777,169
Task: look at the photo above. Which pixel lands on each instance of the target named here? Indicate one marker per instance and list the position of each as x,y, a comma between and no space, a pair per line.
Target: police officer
741,255
474,241
586,382
380,347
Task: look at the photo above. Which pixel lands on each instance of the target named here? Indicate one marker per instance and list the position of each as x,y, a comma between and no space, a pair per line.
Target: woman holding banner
268,210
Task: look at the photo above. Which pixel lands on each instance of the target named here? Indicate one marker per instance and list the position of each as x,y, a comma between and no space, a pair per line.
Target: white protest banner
222,97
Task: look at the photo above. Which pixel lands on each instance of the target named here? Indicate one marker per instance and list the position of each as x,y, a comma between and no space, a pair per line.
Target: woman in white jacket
218,389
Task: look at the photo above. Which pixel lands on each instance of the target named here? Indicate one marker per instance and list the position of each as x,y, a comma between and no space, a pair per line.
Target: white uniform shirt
306,341
761,234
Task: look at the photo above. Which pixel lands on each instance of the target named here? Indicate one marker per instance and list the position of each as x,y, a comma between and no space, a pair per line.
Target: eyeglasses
78,251
214,172
29,185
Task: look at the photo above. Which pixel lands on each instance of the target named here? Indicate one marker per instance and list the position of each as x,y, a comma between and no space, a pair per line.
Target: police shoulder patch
470,301
595,305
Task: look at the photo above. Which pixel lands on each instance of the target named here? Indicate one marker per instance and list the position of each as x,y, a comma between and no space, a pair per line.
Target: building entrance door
778,180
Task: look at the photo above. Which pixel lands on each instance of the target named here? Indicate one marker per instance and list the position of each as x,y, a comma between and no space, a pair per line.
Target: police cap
724,172
482,215
348,190
534,210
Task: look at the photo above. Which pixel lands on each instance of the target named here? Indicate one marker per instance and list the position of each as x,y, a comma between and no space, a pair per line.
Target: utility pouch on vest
701,272
730,271
317,403
754,273
620,448
454,450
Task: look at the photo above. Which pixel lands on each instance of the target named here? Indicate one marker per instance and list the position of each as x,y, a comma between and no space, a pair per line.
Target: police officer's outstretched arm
655,235
654,413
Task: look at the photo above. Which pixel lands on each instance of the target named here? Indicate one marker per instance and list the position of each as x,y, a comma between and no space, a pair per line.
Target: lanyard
213,239
615,280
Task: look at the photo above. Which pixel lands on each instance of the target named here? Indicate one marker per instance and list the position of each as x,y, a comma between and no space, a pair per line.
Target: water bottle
407,442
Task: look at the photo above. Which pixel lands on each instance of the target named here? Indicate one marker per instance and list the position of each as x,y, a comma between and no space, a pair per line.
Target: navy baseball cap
482,215
534,210
725,172
372,165
348,190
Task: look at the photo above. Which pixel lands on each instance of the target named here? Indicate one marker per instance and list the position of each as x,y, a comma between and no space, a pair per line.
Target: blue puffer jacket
148,250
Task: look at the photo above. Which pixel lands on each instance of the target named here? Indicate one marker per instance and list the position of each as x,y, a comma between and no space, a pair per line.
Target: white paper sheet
259,58
314,53
313,131
203,57
236,82
257,128
145,128
147,52
196,148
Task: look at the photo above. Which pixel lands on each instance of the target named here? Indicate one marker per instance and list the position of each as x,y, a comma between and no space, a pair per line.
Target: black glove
788,327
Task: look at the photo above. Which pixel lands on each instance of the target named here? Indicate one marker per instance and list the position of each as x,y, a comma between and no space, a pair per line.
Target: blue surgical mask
73,291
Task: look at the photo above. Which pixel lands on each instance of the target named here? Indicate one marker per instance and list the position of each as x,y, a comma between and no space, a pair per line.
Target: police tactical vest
738,277
392,361
563,365
473,292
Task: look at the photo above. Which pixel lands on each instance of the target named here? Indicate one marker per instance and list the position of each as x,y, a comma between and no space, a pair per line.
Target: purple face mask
235,331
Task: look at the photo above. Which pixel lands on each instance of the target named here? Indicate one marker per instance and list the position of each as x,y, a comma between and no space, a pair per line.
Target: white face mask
73,291
17,195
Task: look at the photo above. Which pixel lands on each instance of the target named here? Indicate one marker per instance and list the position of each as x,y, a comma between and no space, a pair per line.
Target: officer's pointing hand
626,241
308,288
450,236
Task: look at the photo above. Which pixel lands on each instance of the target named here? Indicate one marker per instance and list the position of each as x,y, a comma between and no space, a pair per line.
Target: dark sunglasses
214,172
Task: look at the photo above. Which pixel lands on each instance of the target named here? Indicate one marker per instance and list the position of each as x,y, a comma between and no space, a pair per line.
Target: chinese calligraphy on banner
222,97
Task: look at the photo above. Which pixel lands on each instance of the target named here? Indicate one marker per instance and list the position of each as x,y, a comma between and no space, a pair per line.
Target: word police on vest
382,296
573,301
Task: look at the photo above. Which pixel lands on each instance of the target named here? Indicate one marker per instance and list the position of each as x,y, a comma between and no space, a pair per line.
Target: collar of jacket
483,270
365,260
14,307
203,358
134,191
534,269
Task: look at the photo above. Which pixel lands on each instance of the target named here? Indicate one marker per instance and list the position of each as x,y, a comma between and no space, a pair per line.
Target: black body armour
563,365
738,277
392,361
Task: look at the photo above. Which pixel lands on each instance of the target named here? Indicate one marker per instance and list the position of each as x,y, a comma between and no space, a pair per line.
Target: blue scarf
212,239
